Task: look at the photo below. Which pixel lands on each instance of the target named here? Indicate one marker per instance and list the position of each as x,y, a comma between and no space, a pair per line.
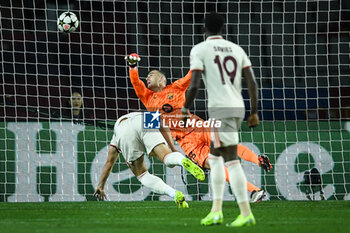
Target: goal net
300,55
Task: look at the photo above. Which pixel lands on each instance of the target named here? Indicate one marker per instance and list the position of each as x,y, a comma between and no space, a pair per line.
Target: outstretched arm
140,88
113,156
184,82
248,74
197,67
167,136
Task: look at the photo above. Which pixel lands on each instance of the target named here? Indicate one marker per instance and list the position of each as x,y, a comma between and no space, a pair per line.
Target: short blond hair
161,73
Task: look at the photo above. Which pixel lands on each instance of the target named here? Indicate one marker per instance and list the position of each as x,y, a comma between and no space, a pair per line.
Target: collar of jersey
214,37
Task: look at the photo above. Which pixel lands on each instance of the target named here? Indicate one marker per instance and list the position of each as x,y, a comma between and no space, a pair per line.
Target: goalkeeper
169,99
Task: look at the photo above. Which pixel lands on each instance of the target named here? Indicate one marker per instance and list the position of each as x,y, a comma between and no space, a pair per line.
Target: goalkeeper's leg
245,153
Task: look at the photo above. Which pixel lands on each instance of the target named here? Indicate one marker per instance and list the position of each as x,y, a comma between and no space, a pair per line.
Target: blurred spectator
74,108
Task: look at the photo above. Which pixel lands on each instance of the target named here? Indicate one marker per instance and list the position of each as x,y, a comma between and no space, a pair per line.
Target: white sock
156,184
238,180
173,159
217,180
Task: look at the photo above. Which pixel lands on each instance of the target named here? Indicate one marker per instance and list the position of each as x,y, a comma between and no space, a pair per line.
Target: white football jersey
221,62
129,115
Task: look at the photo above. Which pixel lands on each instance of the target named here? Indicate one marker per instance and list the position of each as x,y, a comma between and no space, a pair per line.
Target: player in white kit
132,140
222,64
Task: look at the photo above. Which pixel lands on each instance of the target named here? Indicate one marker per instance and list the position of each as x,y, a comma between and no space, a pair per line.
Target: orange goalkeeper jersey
172,96
169,102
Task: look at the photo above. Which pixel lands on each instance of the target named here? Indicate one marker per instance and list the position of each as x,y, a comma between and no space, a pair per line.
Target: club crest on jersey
170,95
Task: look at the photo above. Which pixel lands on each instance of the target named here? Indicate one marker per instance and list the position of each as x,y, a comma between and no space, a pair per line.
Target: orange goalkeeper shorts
196,146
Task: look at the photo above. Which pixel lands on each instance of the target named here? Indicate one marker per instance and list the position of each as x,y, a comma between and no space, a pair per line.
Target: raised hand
132,59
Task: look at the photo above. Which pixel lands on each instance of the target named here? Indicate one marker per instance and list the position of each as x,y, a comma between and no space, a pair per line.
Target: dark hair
214,22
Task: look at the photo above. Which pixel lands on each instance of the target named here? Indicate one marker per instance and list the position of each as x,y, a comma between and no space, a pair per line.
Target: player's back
129,116
221,62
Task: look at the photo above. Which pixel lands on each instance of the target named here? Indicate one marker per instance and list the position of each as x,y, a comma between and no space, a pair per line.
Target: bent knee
160,151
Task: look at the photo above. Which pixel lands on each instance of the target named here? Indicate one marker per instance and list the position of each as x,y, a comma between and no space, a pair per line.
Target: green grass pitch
155,216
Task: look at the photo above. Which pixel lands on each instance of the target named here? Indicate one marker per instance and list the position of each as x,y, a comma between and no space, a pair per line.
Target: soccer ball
67,22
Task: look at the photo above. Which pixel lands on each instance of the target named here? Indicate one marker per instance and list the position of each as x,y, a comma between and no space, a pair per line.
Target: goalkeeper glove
132,59
264,162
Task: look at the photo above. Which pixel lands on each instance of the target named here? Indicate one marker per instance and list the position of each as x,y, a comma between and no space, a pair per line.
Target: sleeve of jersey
196,62
246,61
140,88
184,82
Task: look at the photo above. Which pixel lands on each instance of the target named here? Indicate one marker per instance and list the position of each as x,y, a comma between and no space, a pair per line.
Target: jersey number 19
232,73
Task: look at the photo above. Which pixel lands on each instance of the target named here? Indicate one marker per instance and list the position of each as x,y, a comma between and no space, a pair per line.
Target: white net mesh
300,55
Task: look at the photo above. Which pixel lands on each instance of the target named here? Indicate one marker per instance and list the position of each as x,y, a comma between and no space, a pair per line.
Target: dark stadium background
301,76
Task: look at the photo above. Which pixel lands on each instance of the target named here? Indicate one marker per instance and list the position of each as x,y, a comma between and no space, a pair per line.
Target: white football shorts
133,140
227,135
